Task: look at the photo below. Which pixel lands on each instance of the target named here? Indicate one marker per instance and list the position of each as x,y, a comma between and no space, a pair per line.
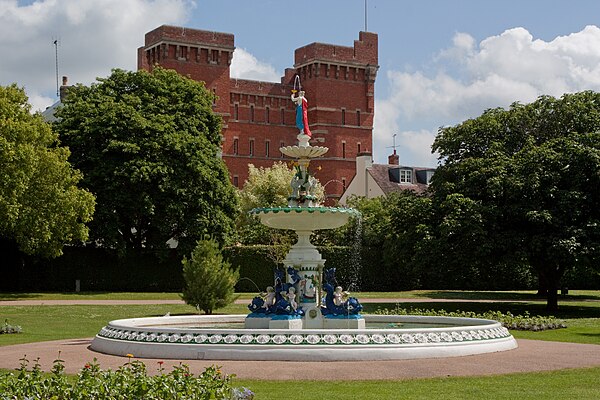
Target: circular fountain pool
170,337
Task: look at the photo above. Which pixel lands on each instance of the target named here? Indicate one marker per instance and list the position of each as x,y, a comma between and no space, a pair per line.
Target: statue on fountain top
301,112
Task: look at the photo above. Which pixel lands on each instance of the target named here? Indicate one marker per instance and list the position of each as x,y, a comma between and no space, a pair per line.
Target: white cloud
500,70
245,66
94,37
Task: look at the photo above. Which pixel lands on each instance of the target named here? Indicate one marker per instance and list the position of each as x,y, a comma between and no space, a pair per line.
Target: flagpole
366,30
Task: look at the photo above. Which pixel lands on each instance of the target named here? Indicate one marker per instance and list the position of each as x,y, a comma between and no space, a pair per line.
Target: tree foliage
399,227
209,280
266,187
41,207
148,146
530,176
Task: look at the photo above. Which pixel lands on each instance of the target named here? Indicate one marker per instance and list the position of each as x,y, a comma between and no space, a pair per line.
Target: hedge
356,269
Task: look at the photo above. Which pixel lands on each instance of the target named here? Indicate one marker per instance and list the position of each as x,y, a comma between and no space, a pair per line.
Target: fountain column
306,259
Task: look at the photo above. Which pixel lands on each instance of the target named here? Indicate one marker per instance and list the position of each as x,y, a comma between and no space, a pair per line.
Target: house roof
48,113
381,174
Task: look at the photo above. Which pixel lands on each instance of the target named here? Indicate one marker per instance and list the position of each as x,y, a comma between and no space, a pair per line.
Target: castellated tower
259,117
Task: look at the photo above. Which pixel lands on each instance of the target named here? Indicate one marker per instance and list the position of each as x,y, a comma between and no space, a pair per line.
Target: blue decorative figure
257,306
338,302
281,299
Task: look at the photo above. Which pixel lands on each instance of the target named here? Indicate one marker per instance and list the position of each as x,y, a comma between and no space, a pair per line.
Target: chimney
64,87
394,159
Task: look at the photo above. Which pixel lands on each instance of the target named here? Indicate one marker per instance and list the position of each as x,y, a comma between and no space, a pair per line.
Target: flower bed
524,322
130,381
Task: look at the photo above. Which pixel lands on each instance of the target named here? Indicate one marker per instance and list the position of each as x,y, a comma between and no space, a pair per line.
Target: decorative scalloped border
306,339
302,152
310,210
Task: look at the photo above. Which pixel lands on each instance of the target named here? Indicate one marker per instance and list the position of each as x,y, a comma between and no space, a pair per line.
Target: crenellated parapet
363,52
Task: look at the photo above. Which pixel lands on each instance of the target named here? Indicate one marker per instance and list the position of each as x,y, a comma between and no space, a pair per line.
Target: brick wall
339,84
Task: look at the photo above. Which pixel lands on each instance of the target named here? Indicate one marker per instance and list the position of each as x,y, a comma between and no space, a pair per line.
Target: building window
343,149
357,117
236,146
267,115
236,111
358,148
343,117
281,144
251,113
282,117
405,176
251,147
267,148
343,185
214,97
236,181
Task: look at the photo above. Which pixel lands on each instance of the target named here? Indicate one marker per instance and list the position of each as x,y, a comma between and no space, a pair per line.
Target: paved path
240,301
532,355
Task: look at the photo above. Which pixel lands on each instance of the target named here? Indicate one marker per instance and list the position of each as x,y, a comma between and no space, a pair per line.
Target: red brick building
259,117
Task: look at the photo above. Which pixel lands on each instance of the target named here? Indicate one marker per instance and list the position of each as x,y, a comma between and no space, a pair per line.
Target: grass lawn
581,384
41,323
520,295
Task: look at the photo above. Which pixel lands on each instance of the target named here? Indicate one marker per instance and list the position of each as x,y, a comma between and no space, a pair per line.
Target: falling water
248,279
355,266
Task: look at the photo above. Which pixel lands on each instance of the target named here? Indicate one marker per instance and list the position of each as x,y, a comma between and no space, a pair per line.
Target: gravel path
241,301
531,355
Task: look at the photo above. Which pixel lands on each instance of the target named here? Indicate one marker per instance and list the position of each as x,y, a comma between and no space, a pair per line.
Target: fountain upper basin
304,218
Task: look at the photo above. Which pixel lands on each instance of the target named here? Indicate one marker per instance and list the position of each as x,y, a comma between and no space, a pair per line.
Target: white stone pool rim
156,337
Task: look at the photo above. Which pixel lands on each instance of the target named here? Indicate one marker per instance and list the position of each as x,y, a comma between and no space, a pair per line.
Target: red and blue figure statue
301,108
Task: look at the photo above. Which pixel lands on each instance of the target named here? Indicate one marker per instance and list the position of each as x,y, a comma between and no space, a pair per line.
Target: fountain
305,315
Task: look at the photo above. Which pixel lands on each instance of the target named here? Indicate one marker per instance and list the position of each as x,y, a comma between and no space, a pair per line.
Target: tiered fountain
296,301
292,320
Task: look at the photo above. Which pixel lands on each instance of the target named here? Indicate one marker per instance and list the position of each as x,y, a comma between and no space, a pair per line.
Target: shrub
130,381
209,280
7,328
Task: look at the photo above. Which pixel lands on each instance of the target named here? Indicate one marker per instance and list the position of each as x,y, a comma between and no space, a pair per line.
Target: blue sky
440,61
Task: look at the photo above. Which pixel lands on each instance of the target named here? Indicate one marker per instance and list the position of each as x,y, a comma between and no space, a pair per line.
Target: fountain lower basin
159,338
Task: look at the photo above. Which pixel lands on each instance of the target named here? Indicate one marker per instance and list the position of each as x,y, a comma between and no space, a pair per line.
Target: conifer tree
209,280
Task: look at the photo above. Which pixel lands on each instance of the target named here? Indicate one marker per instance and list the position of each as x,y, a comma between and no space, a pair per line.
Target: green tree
265,187
395,230
530,175
41,207
148,144
209,280
375,219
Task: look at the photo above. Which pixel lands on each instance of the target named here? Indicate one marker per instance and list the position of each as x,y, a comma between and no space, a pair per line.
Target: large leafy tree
148,144
41,207
531,176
